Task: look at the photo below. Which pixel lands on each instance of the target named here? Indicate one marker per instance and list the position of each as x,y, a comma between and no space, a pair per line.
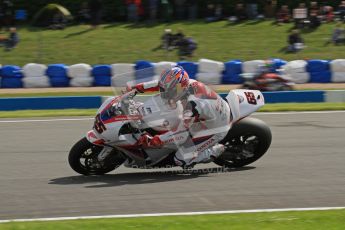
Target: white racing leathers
206,121
198,123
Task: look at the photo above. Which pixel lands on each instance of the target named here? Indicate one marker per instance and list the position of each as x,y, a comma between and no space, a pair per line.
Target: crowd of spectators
91,12
311,16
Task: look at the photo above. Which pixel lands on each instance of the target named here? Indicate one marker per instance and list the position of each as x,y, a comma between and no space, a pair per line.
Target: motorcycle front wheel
247,141
83,158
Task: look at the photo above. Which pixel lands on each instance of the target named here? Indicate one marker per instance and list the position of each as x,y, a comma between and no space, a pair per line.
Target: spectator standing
283,15
84,13
140,9
192,6
8,13
314,15
328,13
166,10
295,42
300,15
252,9
209,11
214,13
132,11
314,8
341,10
240,12
270,8
153,5
180,9
95,12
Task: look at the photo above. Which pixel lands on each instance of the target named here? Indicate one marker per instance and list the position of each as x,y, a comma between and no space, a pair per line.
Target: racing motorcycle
122,120
267,82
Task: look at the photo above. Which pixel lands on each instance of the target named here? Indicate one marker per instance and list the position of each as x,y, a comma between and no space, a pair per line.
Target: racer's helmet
173,84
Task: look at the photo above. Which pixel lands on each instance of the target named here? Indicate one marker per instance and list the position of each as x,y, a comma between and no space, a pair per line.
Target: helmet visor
168,94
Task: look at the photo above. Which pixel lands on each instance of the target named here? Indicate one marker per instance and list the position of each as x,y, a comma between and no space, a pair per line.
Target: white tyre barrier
81,82
338,77
338,65
296,70
209,78
122,73
34,70
210,72
252,66
210,66
79,71
297,66
300,78
36,82
163,65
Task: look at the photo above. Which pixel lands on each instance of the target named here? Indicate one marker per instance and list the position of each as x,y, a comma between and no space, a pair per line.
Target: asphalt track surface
303,168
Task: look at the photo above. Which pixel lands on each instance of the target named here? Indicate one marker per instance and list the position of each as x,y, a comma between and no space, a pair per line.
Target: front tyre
83,158
246,142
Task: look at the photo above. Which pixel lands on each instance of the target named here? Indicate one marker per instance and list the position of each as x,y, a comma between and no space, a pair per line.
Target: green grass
48,113
91,112
57,94
127,43
302,107
308,220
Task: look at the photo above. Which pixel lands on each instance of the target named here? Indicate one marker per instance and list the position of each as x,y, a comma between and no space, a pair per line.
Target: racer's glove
149,141
139,88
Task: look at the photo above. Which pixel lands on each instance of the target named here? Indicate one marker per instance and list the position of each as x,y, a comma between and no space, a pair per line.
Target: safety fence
93,102
34,75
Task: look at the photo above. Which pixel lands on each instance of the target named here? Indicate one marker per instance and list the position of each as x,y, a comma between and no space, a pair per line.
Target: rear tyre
83,158
247,141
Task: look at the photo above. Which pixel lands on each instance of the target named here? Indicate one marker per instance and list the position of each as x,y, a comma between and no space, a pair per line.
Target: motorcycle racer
205,120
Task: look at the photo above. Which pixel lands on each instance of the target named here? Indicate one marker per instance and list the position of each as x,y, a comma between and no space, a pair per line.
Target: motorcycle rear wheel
247,141
83,159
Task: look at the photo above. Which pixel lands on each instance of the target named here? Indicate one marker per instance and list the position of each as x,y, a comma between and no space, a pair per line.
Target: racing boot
210,154
205,156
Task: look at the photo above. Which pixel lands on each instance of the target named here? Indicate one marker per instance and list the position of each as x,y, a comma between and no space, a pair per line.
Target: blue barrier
294,96
320,71
35,103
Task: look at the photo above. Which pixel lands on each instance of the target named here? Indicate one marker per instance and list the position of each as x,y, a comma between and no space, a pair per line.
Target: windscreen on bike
154,111
125,75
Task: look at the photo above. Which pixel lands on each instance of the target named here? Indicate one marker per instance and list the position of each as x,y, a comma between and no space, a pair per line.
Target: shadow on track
141,177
